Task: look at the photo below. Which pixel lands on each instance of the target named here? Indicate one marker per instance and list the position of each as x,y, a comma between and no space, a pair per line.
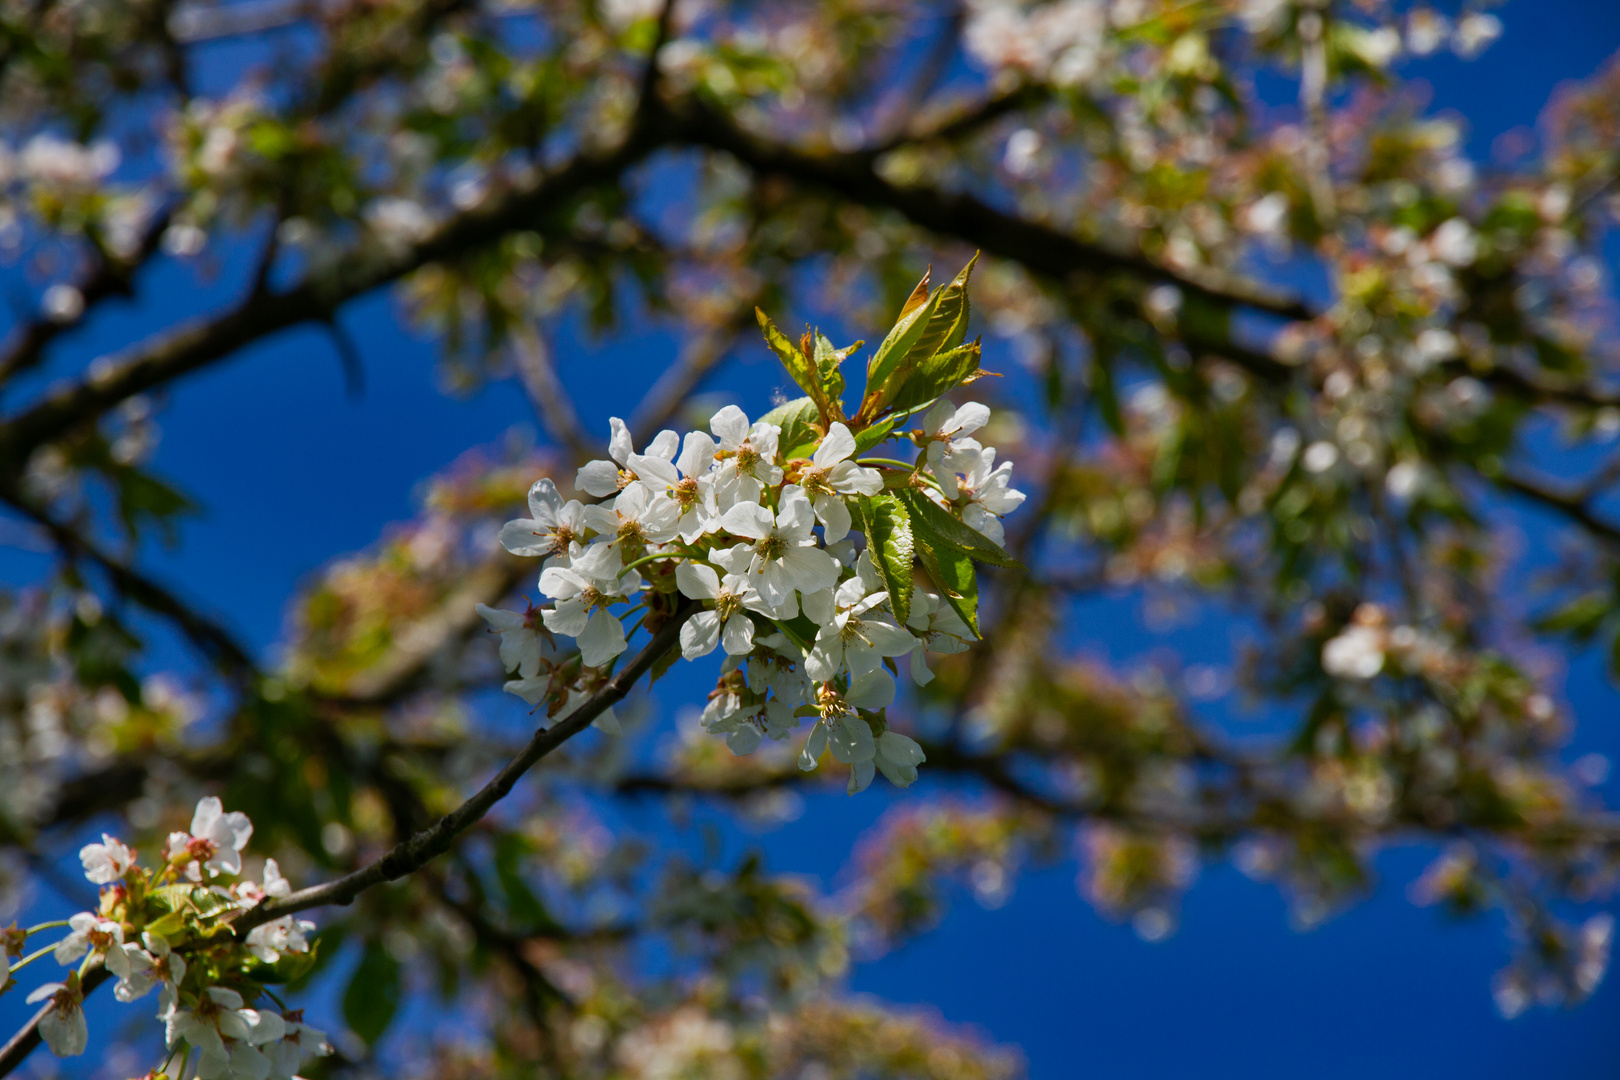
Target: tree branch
206,341
1577,506
531,353
1043,249
108,278
419,850
413,854
23,1043
210,637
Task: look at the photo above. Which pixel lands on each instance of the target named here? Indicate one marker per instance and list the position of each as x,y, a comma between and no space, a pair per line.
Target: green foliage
940,530
908,364
888,532
797,419
953,574
373,994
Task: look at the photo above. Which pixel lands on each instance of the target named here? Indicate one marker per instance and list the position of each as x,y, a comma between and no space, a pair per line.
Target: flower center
852,631
686,493
814,480
772,547
201,848
726,605
830,702
747,457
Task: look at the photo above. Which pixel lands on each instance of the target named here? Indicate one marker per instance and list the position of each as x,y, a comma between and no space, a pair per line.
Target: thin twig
419,850
531,354
413,854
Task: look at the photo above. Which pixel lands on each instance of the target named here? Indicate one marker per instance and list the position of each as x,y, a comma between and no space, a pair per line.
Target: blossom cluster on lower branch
168,928
802,565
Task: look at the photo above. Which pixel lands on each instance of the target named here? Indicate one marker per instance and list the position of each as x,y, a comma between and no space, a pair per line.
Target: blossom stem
791,635
32,930
31,957
887,463
647,559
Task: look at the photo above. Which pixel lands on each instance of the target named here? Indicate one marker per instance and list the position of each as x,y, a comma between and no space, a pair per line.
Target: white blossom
687,482
748,550
841,729
1356,653
989,495
106,862
583,593
898,757
553,527
604,478
938,628
215,1016
87,932
63,1027
297,1041
948,448
284,935
749,456
638,516
854,635
831,476
785,556
727,623
521,646
215,842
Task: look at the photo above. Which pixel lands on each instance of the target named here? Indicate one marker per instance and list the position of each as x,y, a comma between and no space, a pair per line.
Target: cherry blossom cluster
795,595
168,929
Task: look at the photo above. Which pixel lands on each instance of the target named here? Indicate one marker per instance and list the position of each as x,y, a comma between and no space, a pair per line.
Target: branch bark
411,855
1041,248
419,850
203,342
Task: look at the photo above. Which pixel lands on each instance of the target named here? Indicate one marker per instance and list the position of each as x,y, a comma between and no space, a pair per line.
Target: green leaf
870,436
888,535
954,576
799,366
373,993
947,326
290,968
913,323
523,908
829,364
1581,617
937,326
942,531
940,375
797,419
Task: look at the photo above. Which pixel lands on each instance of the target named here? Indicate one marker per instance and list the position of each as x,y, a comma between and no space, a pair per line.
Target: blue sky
293,472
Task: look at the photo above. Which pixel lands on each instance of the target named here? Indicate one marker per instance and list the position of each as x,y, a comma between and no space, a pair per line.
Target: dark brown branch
207,341
1043,249
109,277
1575,505
419,850
23,1043
210,637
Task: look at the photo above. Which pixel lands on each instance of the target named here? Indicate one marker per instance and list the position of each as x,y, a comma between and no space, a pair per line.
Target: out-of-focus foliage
1306,367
